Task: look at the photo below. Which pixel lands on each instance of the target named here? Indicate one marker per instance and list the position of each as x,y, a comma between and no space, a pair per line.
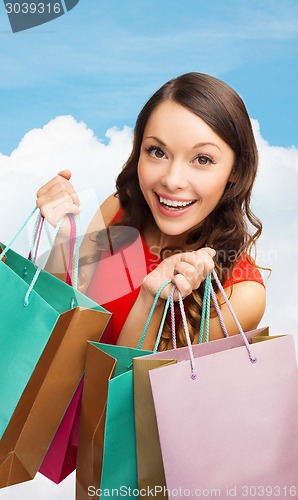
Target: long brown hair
231,228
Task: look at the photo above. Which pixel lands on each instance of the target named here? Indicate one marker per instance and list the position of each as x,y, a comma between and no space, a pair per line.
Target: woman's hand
56,199
187,270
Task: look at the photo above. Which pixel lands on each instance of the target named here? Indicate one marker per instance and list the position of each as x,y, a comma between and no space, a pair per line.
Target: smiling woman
186,188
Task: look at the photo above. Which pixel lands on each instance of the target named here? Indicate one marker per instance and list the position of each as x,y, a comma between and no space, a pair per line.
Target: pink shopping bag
229,426
60,460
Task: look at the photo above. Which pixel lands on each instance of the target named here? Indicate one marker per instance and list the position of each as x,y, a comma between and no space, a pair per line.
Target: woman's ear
233,176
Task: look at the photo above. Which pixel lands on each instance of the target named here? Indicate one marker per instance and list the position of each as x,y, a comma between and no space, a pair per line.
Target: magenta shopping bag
227,425
60,460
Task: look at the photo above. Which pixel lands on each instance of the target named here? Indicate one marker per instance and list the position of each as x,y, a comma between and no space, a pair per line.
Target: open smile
167,205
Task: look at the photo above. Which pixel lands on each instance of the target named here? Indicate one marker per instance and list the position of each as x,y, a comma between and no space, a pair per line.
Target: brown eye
203,160
159,153
155,152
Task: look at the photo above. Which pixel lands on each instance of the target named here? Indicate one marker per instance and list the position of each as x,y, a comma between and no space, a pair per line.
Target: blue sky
102,60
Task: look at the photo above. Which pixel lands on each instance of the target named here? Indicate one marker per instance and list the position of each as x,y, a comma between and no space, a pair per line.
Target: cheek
145,175
213,187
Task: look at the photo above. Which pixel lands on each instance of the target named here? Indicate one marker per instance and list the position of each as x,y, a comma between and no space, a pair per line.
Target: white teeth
174,203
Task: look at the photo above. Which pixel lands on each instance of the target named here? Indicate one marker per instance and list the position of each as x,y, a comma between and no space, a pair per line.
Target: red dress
117,280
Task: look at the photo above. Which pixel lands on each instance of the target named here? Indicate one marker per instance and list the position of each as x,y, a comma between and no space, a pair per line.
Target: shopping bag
45,328
60,459
149,459
107,451
235,407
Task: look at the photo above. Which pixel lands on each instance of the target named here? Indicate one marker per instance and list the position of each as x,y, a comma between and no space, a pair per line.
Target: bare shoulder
248,300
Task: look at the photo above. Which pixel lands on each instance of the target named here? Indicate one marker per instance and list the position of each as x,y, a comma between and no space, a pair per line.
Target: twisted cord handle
218,311
173,322
205,316
76,260
209,287
8,247
252,357
36,235
162,321
185,326
72,269
73,264
151,314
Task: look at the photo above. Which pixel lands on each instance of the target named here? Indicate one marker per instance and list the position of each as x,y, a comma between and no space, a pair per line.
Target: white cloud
42,153
65,143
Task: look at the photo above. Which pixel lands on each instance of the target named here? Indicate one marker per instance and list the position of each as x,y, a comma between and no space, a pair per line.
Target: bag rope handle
252,357
35,241
76,259
151,314
205,316
8,247
166,307
185,326
173,320
36,236
73,253
218,311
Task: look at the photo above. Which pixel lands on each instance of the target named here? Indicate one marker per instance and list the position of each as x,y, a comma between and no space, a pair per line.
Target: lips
172,204
167,206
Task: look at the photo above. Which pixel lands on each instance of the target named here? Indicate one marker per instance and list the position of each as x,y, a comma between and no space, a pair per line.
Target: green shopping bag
107,445
45,325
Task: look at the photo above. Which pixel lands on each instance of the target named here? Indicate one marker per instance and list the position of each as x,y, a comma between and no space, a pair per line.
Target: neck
155,238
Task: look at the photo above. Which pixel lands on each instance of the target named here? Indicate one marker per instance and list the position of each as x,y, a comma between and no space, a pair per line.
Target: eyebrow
201,144
198,145
156,139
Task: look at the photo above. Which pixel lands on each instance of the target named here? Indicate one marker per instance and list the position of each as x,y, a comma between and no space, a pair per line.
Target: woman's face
183,168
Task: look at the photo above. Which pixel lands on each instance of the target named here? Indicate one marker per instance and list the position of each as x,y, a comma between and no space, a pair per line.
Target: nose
174,177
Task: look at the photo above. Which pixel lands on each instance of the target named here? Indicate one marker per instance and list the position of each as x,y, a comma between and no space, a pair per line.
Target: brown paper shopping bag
149,459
